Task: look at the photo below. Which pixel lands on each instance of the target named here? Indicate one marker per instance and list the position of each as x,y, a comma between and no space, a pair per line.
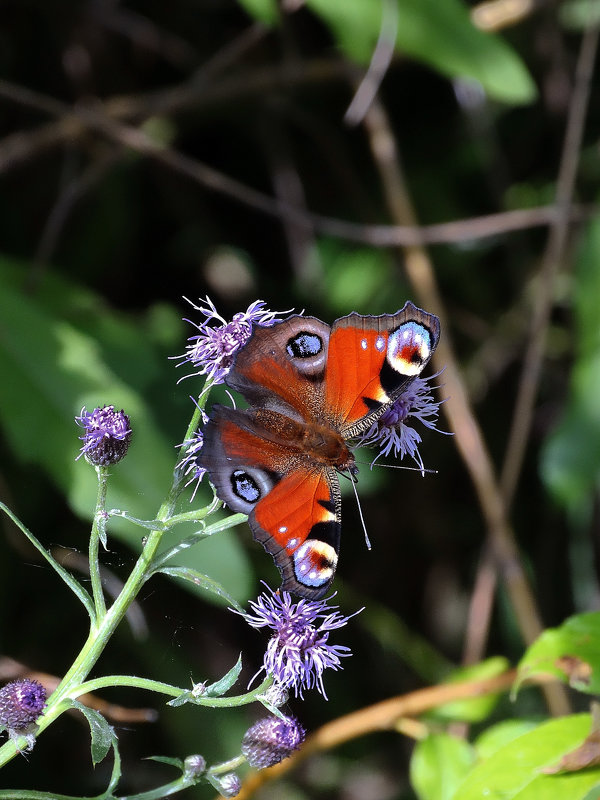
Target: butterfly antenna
362,519
422,470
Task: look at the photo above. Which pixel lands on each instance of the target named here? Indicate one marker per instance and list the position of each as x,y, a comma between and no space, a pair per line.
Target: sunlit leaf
570,652
514,771
438,765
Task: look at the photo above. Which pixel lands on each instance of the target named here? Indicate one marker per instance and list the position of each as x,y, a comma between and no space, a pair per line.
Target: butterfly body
311,390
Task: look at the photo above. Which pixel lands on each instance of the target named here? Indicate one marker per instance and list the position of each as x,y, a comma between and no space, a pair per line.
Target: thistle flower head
21,703
212,349
272,739
299,651
391,431
106,435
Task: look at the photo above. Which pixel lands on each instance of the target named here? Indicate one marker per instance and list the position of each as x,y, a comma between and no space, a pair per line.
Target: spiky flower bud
21,703
194,765
106,435
272,739
230,785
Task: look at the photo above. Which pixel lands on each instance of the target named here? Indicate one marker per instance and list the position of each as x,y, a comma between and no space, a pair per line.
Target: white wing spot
363,344
380,344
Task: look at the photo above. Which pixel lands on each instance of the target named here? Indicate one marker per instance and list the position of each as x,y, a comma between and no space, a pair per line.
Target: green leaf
473,709
513,771
103,735
173,762
202,581
263,10
570,652
499,735
438,765
440,34
226,682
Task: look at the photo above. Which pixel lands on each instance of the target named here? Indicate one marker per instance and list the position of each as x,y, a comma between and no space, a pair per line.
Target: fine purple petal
211,351
391,433
299,650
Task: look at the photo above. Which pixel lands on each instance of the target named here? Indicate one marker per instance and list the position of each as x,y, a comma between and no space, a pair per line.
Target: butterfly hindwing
293,506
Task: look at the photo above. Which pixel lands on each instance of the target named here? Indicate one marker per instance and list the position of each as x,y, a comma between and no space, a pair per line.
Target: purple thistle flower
21,703
212,349
298,652
106,437
272,739
189,462
392,433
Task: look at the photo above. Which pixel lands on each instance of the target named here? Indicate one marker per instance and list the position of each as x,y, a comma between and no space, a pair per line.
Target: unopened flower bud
230,785
194,766
21,703
272,739
106,435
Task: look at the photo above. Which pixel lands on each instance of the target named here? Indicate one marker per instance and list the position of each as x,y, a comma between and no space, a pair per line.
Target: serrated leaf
438,765
103,735
202,581
473,709
514,771
440,34
570,652
173,762
226,682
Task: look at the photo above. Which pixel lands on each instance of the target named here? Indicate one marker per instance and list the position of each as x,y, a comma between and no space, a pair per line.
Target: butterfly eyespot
314,563
245,487
409,347
304,345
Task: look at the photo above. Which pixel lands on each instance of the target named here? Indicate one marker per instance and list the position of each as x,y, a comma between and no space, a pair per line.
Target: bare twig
76,119
380,62
553,257
469,438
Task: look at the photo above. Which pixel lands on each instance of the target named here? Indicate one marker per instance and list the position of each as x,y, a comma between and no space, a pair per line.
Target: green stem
98,535
165,791
227,766
108,681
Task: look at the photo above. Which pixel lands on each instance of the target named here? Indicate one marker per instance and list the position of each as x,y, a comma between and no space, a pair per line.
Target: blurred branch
13,670
469,438
493,15
379,65
553,258
386,715
76,119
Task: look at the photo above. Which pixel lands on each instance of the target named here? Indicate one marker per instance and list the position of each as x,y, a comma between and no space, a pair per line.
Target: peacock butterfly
311,390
